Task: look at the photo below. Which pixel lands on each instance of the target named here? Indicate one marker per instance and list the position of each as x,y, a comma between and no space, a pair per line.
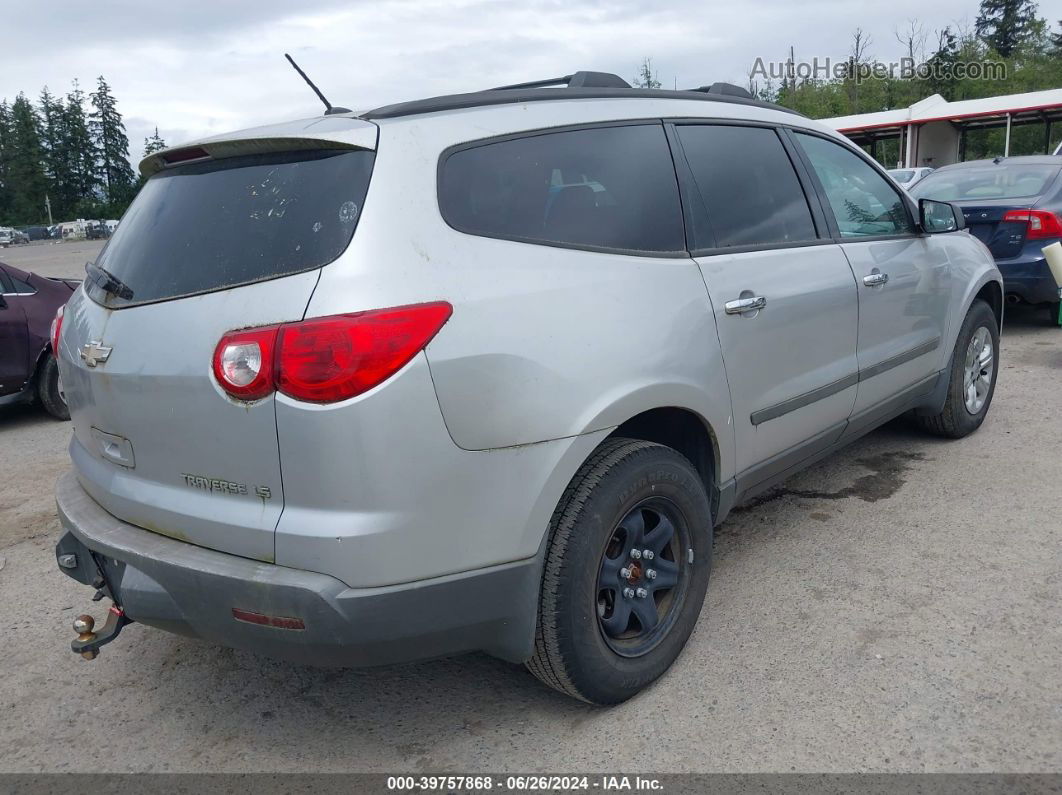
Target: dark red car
28,304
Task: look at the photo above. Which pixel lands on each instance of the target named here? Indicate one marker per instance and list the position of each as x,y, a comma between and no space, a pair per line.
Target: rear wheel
972,381
50,389
626,572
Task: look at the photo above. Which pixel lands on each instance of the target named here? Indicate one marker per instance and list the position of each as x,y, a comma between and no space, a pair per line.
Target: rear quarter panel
545,342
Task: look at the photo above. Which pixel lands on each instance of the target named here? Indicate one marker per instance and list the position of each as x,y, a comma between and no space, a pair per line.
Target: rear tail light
57,329
243,363
327,359
1040,223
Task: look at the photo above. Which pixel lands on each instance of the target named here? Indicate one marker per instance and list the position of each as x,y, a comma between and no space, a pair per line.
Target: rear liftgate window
603,188
208,226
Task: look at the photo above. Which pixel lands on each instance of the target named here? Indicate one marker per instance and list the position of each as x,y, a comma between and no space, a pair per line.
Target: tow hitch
88,642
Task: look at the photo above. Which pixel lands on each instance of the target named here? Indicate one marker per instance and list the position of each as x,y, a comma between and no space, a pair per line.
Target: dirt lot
898,607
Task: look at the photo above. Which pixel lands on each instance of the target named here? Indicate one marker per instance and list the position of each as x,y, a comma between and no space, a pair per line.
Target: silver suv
482,372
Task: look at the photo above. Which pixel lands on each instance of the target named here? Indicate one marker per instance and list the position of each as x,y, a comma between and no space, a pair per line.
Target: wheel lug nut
648,554
641,593
629,592
650,573
636,554
625,573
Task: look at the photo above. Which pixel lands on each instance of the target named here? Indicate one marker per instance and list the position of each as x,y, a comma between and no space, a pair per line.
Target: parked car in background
28,371
35,232
1014,206
97,230
483,372
906,177
7,236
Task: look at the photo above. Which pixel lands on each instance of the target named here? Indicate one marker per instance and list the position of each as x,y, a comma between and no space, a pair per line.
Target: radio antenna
329,108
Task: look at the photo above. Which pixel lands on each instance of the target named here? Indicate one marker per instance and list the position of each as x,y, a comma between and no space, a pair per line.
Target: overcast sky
202,67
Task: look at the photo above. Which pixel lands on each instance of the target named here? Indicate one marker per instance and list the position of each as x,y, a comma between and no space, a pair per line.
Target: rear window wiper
108,282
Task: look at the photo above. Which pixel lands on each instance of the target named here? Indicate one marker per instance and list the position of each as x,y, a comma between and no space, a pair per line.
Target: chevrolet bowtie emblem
94,353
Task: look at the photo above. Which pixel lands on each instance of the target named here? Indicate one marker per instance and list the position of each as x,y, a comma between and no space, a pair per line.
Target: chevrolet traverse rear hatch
227,235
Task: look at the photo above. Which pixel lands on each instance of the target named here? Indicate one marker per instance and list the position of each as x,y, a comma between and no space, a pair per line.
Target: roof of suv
580,85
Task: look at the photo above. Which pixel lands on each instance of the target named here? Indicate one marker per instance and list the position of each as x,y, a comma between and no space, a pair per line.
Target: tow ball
88,642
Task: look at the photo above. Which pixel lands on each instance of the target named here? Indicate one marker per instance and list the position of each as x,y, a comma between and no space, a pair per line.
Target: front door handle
743,305
876,279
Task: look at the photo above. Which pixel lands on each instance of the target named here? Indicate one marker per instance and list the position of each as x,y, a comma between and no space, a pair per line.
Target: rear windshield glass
1010,181
207,226
902,176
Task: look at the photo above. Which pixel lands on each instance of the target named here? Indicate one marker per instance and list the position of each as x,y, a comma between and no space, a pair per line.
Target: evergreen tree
154,143
6,153
1056,40
26,182
1005,24
646,77
115,175
52,145
79,151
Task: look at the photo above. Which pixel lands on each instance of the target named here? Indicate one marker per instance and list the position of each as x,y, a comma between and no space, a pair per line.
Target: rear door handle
742,305
875,279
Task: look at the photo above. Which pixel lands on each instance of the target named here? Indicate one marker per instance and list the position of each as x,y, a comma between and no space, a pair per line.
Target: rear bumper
1030,279
191,591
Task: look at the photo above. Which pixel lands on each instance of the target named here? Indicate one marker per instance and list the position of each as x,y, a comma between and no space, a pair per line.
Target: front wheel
625,574
50,390
972,379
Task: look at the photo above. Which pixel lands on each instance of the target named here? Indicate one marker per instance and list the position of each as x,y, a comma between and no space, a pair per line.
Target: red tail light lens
335,358
1040,223
243,363
57,329
327,359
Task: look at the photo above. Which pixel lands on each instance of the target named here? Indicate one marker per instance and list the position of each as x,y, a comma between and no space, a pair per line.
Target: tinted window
21,286
207,226
863,202
750,191
1005,181
608,187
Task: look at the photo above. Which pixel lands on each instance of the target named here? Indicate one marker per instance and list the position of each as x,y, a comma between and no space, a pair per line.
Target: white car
907,177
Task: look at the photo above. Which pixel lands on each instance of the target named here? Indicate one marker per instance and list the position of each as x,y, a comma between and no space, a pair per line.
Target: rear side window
750,191
606,187
222,223
864,203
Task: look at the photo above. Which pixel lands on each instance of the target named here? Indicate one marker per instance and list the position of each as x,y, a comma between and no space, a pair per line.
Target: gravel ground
895,608
65,259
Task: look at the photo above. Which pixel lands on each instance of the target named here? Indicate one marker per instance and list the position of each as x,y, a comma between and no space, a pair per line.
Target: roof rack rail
575,80
726,89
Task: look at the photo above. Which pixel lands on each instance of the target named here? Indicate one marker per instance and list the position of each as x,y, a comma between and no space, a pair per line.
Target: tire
1052,313
626,495
961,418
49,391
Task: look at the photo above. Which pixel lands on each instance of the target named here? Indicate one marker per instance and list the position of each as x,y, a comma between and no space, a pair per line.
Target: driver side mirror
3,302
936,217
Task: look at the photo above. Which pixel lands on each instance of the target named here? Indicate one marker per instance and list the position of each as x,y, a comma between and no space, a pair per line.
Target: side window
863,202
751,193
21,286
607,187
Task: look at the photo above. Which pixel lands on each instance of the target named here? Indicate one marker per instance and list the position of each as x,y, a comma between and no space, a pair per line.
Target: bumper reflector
279,622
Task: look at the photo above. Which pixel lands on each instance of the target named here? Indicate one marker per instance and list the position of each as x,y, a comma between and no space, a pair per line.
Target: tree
25,180
53,152
1056,40
79,152
115,176
153,144
6,153
1005,24
646,77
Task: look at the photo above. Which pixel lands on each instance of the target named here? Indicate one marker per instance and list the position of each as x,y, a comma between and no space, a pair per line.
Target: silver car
484,371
